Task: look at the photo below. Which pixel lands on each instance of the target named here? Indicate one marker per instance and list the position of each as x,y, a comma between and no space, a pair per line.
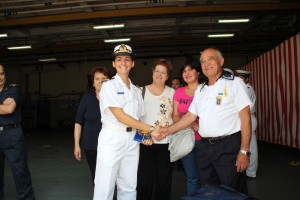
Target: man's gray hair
216,49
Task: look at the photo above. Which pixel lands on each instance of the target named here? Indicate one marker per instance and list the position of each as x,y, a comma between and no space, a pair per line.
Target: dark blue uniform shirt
12,91
89,117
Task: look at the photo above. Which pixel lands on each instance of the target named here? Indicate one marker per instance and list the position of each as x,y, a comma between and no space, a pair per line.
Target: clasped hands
158,133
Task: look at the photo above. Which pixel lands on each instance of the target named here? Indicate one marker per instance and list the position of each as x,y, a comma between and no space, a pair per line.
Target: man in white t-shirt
222,105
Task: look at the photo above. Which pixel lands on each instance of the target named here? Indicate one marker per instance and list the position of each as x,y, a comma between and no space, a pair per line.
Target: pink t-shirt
184,102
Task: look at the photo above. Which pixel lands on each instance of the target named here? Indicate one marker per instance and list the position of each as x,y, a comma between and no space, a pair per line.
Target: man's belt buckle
212,140
215,140
128,129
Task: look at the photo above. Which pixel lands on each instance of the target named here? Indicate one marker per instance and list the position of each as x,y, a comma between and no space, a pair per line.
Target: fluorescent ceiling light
3,35
220,35
109,26
19,47
233,20
117,40
47,59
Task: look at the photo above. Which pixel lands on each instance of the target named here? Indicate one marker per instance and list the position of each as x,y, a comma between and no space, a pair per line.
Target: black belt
214,140
6,127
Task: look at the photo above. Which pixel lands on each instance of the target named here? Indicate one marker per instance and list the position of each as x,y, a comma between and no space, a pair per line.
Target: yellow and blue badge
141,135
221,95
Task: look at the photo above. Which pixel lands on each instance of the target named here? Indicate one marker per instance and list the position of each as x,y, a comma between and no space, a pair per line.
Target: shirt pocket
223,103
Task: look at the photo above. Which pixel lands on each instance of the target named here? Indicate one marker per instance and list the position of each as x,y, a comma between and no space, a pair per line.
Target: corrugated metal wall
275,78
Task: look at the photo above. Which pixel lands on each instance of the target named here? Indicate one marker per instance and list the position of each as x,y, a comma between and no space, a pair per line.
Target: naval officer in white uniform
252,168
121,107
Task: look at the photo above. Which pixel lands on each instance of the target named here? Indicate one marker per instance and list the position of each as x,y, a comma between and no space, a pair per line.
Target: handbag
181,143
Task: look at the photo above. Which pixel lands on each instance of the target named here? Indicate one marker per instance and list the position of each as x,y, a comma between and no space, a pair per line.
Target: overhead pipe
43,4
256,7
170,2
16,1
69,3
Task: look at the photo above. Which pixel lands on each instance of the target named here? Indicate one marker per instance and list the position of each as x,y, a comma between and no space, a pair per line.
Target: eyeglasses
161,73
2,74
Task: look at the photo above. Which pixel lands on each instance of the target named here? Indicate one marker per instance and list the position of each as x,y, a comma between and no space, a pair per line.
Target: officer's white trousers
117,163
252,168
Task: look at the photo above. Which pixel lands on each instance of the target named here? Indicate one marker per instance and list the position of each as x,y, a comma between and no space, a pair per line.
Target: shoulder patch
227,75
202,86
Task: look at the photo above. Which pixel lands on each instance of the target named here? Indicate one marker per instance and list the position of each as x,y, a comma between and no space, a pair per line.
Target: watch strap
245,152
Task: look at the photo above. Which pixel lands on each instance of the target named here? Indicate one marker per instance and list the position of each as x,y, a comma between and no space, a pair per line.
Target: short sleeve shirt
114,93
88,116
184,102
159,109
11,91
218,106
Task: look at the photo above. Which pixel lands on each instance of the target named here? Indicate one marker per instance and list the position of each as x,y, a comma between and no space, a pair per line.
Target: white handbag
181,143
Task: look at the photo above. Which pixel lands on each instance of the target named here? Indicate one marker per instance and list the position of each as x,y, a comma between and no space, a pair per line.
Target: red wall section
275,78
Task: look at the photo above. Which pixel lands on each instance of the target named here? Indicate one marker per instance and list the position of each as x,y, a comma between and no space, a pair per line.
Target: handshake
158,133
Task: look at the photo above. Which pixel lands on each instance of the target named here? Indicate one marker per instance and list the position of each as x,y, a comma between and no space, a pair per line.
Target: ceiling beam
148,12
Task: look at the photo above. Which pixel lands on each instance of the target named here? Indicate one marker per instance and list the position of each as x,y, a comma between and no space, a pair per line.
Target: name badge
120,92
218,100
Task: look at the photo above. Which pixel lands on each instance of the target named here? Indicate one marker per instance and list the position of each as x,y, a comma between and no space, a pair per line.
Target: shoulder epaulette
109,79
227,75
203,84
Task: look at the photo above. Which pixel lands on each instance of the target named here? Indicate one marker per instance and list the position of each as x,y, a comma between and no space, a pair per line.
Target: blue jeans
190,165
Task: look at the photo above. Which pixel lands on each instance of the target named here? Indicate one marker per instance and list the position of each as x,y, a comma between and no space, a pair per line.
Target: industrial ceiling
63,29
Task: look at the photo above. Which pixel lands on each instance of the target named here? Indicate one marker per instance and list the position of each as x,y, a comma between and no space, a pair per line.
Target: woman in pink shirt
183,97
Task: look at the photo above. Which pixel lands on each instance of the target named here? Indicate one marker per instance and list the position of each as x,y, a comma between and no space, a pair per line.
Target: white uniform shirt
114,93
218,107
159,110
252,97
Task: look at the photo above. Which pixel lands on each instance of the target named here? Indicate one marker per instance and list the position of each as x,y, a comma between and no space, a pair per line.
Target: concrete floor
56,175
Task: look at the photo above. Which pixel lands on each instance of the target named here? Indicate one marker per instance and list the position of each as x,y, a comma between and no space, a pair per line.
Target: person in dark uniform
12,143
